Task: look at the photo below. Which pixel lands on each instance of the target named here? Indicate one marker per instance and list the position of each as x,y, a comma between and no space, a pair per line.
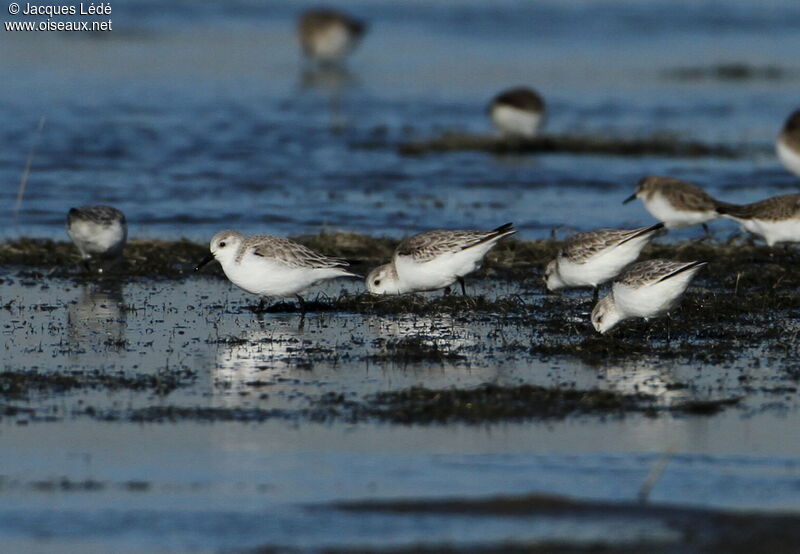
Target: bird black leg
86,267
446,291
302,304
463,286
262,306
706,230
595,295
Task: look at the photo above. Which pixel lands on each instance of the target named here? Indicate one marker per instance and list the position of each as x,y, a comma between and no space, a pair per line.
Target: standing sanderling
518,112
595,257
788,144
271,266
648,289
776,219
99,232
434,260
327,35
674,202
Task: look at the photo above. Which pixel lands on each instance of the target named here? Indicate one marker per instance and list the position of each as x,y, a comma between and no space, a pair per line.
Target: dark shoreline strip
653,146
697,529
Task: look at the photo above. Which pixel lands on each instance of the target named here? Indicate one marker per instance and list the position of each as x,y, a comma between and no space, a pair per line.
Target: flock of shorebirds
271,266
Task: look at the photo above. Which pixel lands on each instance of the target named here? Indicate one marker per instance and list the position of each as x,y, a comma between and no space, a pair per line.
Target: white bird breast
272,278
431,275
513,121
441,271
95,238
663,210
651,300
789,157
603,266
334,42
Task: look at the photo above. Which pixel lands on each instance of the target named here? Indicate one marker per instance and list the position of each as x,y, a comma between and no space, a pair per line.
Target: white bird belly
434,274
602,267
663,210
94,238
274,279
334,42
441,271
513,121
774,231
651,300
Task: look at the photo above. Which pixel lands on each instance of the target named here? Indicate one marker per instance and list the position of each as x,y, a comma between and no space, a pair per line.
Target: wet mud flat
154,349
740,315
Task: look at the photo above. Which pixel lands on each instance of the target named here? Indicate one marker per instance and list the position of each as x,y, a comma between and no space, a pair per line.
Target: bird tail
643,232
689,266
491,237
502,231
496,234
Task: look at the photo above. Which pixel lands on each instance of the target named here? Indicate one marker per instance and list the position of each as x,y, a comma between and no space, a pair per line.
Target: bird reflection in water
96,322
331,82
255,359
642,379
440,332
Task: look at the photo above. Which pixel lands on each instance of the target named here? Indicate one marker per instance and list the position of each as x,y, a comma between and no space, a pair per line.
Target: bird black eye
222,244
377,282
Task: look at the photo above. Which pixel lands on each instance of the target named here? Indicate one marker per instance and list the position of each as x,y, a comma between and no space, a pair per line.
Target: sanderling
788,144
271,266
776,219
674,202
518,112
593,258
434,260
99,232
327,35
648,289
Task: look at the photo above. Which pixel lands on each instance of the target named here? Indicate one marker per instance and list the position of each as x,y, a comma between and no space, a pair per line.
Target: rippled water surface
86,470
192,117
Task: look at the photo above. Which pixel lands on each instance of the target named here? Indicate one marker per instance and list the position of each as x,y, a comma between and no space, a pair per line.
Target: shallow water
88,471
193,117
188,140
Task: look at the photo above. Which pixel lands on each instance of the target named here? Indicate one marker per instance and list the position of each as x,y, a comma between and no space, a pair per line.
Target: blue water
195,116
72,483
192,117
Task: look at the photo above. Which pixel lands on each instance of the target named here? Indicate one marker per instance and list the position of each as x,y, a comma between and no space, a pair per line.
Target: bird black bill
631,198
204,262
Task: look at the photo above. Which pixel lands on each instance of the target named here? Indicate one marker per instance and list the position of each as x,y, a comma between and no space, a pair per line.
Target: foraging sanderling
327,35
775,219
99,232
648,289
518,112
788,144
271,266
434,260
595,257
674,202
